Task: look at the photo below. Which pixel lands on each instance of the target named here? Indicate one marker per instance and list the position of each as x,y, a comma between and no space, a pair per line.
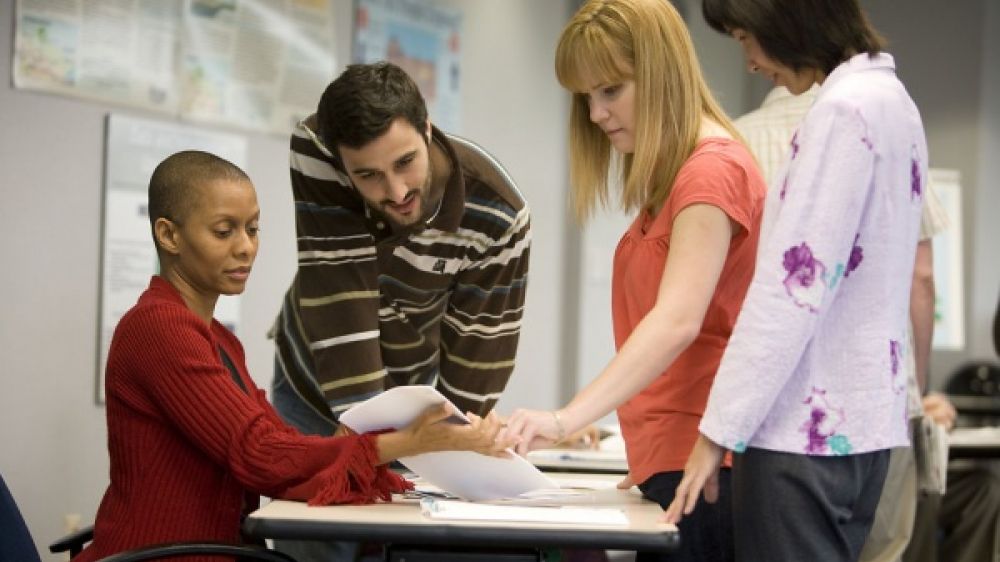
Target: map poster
422,39
259,65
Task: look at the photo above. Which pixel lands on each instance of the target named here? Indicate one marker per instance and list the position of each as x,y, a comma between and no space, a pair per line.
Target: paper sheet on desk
974,436
588,455
465,474
464,511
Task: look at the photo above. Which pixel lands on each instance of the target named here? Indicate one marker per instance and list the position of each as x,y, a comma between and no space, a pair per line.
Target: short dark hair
361,104
799,33
171,187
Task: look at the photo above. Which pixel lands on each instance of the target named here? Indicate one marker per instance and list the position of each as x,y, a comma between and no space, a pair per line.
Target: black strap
232,370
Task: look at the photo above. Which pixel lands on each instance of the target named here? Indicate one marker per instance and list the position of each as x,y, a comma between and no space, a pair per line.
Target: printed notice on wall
949,295
128,260
258,65
423,40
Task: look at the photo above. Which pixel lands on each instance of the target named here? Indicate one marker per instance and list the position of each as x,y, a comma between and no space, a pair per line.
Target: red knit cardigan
190,450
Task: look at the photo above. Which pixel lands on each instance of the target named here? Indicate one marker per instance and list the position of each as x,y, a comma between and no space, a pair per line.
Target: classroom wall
52,434
946,54
985,292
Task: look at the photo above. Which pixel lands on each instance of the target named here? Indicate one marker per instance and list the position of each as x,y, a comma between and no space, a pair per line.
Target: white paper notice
462,473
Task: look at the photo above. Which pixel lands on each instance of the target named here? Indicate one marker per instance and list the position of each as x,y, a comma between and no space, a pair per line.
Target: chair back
16,543
974,389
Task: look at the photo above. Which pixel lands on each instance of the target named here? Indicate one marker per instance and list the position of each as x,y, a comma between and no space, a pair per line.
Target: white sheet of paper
588,455
458,510
463,473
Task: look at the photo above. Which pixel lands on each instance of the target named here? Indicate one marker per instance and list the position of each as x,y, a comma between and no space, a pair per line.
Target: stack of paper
462,473
465,511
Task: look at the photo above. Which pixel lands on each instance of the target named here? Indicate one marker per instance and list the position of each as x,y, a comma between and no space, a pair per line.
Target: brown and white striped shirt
371,309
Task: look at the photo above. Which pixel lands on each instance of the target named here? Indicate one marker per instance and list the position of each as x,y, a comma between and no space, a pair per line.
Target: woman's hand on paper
433,432
534,429
343,431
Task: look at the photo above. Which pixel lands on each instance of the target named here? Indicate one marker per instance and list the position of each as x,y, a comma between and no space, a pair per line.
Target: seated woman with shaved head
193,442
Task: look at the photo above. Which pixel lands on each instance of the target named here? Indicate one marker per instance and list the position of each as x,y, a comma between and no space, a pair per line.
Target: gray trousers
964,524
793,507
893,526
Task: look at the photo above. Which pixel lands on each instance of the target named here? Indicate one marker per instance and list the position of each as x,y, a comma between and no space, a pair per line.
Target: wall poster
254,64
128,258
422,39
949,281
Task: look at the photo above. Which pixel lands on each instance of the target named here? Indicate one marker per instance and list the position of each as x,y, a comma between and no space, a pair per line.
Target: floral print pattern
895,353
803,272
857,254
916,188
822,424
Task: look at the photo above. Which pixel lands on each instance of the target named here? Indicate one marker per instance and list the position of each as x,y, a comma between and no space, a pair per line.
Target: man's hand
700,473
940,409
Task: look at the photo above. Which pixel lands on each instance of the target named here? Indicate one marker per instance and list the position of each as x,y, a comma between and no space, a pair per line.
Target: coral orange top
660,424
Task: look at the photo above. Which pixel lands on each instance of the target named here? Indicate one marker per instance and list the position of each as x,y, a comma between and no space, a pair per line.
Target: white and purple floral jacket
814,365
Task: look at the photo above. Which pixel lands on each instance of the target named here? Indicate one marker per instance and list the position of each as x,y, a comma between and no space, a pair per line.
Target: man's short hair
172,193
361,104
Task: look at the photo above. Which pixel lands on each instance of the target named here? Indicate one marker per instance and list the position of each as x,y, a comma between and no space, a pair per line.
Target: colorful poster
258,65
134,148
122,52
261,65
424,40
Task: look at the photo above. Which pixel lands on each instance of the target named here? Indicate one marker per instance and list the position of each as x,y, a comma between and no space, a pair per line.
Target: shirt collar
777,93
859,63
781,93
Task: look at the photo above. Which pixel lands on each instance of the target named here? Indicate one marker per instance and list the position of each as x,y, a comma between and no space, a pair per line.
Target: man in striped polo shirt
412,257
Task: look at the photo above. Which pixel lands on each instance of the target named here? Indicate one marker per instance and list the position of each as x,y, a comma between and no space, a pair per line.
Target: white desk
401,522
974,442
580,460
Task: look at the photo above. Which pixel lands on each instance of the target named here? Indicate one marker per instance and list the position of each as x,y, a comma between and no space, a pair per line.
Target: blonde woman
641,106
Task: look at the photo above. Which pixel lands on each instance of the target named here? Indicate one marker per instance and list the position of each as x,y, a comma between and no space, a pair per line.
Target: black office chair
16,543
974,389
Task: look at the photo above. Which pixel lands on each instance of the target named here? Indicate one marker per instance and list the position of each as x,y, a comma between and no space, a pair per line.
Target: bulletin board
949,267
128,257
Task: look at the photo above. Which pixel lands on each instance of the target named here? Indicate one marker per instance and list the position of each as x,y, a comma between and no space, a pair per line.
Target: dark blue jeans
298,414
706,534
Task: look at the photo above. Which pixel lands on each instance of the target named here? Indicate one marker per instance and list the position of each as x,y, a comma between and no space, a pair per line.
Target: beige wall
52,435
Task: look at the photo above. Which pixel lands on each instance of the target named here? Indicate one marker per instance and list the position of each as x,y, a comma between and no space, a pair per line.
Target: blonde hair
611,41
